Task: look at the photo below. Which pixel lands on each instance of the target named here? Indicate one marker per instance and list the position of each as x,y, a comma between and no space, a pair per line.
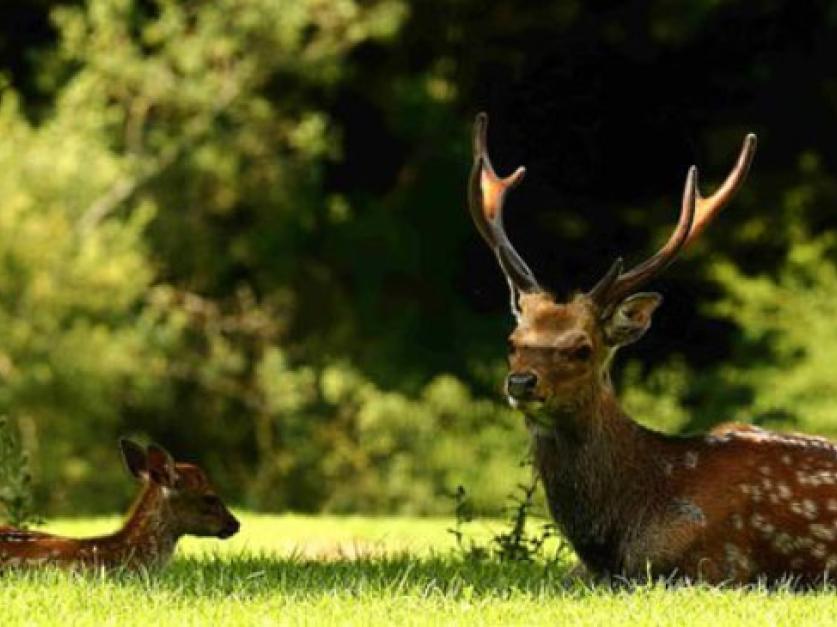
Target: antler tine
599,290
623,284
708,208
613,288
486,193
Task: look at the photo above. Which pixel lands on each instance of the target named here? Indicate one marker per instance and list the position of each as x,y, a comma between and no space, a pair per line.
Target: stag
739,504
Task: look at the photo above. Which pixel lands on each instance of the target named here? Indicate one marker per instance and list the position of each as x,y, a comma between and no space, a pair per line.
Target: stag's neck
593,416
146,539
601,471
596,441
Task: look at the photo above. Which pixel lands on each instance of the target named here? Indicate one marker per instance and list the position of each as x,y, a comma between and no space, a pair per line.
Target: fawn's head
560,352
190,499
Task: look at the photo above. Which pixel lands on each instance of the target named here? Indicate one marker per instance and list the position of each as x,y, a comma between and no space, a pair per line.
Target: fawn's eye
582,353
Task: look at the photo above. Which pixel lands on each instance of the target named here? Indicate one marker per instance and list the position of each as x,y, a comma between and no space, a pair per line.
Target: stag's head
560,352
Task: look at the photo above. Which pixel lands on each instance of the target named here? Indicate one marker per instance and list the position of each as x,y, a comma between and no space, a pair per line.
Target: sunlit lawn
364,571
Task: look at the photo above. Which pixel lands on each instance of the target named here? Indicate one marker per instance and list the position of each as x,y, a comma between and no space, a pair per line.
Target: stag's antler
486,193
695,214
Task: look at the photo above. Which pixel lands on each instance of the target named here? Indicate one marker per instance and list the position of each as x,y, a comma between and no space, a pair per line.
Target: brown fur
736,505
159,516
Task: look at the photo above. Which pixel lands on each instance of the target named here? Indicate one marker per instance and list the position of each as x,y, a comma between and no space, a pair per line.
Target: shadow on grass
392,575
247,576
252,577
446,576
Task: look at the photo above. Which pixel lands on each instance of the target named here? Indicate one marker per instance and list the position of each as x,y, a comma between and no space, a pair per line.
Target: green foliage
74,341
358,446
120,312
15,479
168,119
657,397
788,349
515,542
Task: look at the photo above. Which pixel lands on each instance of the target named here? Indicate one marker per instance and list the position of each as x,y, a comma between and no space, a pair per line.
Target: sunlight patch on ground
316,537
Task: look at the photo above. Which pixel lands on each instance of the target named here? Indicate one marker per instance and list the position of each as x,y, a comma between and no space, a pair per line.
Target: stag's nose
521,385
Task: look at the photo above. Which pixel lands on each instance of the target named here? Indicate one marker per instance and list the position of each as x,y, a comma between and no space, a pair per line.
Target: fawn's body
175,500
736,505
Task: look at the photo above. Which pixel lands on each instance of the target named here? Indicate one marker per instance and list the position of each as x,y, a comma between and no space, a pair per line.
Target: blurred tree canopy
237,227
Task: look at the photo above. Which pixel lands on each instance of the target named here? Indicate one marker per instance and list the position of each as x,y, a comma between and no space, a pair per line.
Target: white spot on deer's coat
760,523
784,490
831,505
737,522
821,531
803,542
824,478
786,459
736,560
783,543
691,459
802,478
813,480
805,508
831,562
818,551
809,509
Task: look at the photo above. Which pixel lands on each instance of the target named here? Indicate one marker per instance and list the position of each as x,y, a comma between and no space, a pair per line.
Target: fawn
739,504
176,499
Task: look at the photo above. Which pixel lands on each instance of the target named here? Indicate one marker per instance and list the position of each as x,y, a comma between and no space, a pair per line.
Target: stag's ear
134,457
161,466
631,318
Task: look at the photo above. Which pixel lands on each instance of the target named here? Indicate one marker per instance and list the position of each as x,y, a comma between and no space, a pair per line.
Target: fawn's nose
521,385
230,529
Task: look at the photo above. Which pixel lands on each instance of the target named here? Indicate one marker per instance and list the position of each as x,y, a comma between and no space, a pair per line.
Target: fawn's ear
134,457
631,318
161,466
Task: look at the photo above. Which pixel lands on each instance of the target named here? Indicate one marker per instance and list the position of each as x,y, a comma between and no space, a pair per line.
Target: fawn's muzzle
230,529
521,385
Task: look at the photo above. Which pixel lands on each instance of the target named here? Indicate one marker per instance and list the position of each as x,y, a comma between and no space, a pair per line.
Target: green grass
366,571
